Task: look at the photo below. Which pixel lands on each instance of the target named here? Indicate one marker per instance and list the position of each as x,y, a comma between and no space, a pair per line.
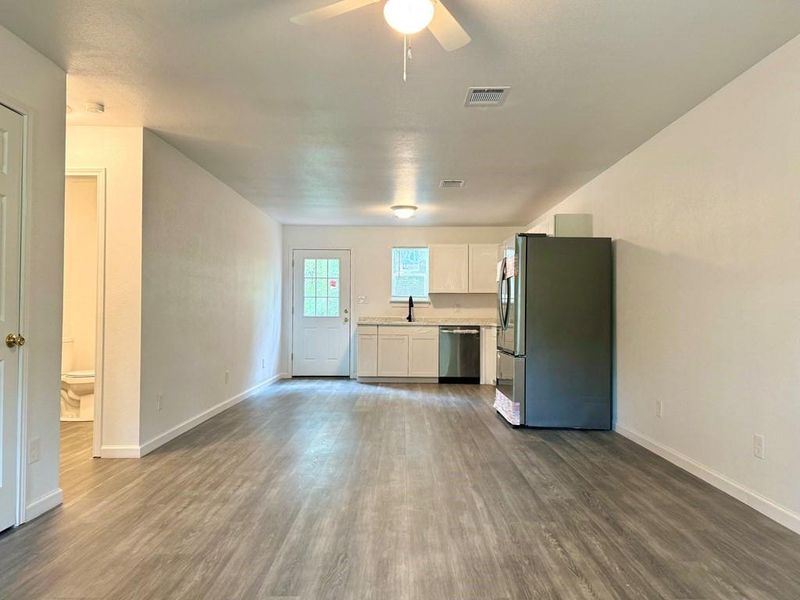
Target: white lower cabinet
398,351
488,355
367,351
392,353
423,352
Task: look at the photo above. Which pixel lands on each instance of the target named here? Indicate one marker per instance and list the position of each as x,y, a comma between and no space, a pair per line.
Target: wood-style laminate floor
332,489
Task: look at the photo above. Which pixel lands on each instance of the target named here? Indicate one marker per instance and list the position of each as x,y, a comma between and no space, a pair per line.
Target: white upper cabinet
463,268
482,268
449,268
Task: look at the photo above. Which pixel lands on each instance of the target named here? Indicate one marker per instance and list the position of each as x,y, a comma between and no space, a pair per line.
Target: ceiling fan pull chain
405,58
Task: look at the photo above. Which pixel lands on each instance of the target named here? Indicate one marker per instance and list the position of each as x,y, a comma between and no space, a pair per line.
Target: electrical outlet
227,377
759,446
159,401
659,408
34,451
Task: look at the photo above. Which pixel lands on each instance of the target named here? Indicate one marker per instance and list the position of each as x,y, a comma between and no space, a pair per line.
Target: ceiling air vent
451,183
487,96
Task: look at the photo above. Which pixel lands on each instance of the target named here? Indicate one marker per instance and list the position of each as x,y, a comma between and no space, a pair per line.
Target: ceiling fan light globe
408,16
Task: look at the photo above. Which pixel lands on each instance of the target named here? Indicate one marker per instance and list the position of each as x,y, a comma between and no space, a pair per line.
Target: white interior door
321,313
11,128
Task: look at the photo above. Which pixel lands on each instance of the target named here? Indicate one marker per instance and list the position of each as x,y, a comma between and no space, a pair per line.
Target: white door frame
349,251
100,331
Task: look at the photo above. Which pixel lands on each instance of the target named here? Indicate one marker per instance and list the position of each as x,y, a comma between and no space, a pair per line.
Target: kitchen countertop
431,321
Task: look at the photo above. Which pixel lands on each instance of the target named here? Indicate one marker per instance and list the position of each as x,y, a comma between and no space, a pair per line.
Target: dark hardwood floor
333,489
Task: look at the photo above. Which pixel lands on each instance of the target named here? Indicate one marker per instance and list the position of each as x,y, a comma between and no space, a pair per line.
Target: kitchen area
527,313
413,349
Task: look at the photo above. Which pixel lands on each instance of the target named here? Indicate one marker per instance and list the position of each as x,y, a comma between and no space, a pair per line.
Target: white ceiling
315,124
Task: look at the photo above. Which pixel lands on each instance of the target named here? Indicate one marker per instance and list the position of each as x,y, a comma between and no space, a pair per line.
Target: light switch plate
34,451
759,446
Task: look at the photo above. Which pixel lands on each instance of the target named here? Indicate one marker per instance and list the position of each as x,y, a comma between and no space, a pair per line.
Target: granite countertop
432,321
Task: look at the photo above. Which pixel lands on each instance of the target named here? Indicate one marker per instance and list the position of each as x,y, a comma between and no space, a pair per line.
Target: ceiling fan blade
447,30
328,12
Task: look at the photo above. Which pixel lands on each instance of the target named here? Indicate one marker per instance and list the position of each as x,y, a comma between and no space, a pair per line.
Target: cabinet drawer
423,332
393,330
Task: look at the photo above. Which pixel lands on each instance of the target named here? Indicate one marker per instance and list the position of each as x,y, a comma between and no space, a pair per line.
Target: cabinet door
392,355
488,355
483,268
423,354
367,354
449,268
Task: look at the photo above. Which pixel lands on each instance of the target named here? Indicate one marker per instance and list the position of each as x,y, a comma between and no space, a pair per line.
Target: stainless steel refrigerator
554,340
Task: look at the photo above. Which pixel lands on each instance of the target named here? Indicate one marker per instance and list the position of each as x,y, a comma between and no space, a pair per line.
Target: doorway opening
321,330
83,321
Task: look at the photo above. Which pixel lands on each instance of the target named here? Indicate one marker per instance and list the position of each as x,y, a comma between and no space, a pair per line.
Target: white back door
321,313
11,129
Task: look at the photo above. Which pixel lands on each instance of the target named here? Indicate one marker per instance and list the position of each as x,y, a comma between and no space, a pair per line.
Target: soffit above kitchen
316,125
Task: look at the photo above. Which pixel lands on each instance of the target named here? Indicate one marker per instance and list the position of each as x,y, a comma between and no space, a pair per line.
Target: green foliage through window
321,286
410,273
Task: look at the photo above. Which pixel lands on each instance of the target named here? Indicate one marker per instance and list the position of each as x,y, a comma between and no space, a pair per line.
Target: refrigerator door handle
500,280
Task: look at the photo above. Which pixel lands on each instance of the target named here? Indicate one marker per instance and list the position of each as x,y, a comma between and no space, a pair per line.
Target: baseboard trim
193,422
398,380
785,516
43,504
120,452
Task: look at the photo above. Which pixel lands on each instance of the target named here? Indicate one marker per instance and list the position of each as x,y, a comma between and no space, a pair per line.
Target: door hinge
291,357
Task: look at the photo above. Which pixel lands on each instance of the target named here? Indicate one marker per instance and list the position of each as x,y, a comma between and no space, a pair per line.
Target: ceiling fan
406,16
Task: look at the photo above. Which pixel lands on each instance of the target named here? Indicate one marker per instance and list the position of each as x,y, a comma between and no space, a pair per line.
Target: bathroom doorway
83,319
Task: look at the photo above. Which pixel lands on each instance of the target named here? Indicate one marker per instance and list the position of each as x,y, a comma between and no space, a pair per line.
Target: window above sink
410,274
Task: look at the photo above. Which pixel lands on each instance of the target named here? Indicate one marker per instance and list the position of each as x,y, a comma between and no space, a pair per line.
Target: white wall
33,85
80,272
371,257
118,150
706,218
211,295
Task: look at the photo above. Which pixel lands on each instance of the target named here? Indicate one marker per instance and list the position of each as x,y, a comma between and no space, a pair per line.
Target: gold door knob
12,340
20,340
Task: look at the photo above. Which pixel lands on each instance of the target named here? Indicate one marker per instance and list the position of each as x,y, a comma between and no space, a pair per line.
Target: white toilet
77,388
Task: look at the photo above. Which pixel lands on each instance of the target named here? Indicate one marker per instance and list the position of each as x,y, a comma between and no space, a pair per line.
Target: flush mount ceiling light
404,211
408,16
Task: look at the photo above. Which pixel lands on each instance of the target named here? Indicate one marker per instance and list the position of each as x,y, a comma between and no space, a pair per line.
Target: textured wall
705,218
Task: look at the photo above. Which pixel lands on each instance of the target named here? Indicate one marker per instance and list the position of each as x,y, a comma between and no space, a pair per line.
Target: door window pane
321,287
333,307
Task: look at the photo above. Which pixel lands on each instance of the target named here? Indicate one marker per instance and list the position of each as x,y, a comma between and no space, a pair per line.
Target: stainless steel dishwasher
459,354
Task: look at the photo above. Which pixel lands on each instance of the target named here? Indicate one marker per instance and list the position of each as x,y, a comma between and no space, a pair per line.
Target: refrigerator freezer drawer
510,388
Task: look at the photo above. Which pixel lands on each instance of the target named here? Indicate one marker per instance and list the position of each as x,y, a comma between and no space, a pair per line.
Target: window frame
404,299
